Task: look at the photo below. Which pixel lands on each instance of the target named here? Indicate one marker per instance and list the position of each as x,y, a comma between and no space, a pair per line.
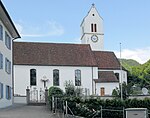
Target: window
33,77
117,75
7,66
1,32
1,90
93,27
56,77
92,30
8,92
7,41
1,61
77,77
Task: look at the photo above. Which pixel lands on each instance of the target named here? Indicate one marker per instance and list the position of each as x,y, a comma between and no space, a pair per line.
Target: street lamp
44,80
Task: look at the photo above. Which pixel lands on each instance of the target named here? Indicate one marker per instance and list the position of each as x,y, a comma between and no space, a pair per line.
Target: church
87,65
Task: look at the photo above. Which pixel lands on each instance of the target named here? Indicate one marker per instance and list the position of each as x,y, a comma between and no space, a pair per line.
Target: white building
86,64
8,33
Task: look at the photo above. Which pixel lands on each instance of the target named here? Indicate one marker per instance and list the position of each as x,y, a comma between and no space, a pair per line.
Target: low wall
20,99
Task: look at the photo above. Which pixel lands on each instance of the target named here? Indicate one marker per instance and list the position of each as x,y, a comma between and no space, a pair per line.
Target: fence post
28,95
66,108
101,112
123,113
46,96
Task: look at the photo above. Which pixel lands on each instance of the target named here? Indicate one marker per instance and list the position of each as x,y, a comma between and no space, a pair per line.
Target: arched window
56,77
92,28
33,77
95,27
77,77
117,75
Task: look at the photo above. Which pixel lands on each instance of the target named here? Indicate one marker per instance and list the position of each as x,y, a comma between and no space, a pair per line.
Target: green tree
54,91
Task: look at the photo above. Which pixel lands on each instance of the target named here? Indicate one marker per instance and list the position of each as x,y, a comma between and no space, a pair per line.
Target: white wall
22,76
5,78
108,87
20,99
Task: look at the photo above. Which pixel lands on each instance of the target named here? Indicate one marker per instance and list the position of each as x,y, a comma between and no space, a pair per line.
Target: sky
58,21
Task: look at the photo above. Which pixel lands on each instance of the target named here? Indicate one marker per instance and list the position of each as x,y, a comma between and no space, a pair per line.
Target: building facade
8,33
86,65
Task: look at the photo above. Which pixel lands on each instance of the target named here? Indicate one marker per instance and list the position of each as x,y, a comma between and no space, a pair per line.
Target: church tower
92,30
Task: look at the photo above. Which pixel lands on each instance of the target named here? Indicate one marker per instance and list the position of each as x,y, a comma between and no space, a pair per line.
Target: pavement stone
25,111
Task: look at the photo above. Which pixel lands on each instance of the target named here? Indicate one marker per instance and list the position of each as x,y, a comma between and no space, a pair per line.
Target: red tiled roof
106,60
54,54
106,76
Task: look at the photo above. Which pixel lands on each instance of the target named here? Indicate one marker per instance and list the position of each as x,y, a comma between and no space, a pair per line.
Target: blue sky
125,21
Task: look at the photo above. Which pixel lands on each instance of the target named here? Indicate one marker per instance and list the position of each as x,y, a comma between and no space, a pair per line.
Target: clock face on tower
94,38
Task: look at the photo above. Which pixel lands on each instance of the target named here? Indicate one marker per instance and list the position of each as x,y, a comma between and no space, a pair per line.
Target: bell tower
92,30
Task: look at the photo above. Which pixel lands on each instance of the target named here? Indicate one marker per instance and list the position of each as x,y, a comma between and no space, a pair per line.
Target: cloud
50,28
141,55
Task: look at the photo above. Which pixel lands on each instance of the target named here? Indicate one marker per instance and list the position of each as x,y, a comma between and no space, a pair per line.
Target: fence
71,109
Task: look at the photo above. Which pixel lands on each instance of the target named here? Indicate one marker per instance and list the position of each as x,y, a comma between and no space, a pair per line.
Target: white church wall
107,86
5,78
66,73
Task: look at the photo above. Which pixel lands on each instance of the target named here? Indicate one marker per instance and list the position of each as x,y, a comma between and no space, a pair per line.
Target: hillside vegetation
138,74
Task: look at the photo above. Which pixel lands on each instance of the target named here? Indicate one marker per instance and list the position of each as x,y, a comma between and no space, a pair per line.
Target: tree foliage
53,91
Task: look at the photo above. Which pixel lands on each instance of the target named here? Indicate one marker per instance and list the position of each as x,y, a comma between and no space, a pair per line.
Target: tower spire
93,5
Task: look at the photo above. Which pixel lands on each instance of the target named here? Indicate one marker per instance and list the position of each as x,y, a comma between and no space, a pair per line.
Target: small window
117,75
7,66
77,77
93,14
92,28
1,61
56,77
1,32
1,90
33,77
95,27
7,41
8,92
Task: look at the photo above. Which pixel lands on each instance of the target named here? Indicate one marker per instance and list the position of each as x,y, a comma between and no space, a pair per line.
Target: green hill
138,74
129,63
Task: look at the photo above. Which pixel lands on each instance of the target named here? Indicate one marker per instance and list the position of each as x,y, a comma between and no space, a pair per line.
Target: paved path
24,111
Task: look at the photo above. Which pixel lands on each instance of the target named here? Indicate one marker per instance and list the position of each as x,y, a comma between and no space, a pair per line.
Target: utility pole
121,74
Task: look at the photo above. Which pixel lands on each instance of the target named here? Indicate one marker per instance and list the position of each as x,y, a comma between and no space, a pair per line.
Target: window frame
7,40
1,60
1,90
7,66
56,77
1,32
8,92
33,77
77,77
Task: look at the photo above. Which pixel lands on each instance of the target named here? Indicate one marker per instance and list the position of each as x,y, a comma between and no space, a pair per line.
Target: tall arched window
77,77
33,77
56,77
